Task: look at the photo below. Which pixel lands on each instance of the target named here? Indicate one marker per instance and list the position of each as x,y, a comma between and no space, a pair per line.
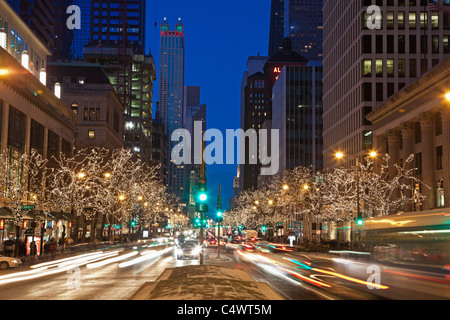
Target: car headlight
16,261
196,250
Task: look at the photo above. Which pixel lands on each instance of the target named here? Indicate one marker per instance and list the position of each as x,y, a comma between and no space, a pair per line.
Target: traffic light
197,223
219,217
264,228
201,201
132,223
359,221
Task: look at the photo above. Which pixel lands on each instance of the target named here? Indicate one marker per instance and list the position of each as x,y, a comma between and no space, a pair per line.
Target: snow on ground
205,283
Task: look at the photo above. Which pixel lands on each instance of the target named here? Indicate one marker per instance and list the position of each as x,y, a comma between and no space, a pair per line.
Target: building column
393,139
5,122
407,129
446,157
428,163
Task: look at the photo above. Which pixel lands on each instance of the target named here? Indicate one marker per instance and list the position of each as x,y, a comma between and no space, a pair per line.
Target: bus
418,238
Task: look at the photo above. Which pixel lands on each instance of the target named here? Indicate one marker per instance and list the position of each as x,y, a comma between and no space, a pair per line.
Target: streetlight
107,175
359,219
81,175
285,187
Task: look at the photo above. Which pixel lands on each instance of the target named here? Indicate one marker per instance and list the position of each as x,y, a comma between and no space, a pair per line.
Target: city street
118,280
271,150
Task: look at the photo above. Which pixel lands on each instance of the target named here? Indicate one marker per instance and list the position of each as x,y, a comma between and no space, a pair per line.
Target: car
250,247
188,250
7,262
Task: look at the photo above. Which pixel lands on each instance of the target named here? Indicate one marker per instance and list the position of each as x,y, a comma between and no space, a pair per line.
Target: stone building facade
417,121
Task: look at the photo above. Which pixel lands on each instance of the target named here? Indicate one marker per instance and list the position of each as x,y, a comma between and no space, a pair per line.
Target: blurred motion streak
338,275
417,276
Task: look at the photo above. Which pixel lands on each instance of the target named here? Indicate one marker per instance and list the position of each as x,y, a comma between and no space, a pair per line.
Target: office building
31,115
39,15
364,66
86,89
109,19
131,71
277,28
297,114
171,95
256,100
302,22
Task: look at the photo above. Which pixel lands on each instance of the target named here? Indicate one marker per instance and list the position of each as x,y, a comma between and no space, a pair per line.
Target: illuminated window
367,68
91,134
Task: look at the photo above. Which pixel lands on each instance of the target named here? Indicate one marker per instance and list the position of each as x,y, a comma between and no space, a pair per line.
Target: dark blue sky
219,35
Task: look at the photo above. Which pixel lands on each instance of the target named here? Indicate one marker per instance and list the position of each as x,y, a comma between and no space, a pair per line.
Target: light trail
417,276
338,275
309,280
109,261
54,262
145,256
60,266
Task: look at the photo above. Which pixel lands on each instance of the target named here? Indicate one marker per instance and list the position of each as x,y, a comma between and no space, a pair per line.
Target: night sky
219,35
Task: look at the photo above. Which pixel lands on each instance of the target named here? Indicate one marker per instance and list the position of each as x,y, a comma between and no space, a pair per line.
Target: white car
7,262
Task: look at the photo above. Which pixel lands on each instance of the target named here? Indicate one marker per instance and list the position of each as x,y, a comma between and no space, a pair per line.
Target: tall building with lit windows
171,95
117,43
302,22
364,66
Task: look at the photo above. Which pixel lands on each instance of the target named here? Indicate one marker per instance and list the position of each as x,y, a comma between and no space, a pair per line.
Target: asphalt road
320,279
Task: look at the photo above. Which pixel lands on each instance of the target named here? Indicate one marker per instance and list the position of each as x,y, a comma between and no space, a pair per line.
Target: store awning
6,214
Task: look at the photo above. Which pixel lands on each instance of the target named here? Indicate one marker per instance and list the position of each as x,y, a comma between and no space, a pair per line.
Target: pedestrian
8,247
33,248
22,249
46,248
52,246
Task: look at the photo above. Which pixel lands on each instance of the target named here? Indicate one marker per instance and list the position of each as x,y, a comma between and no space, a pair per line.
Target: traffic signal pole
201,238
219,216
201,201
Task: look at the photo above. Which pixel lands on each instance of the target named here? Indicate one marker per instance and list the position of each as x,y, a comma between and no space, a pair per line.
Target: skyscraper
302,21
277,29
81,37
364,66
171,94
306,28
297,114
109,19
117,33
39,16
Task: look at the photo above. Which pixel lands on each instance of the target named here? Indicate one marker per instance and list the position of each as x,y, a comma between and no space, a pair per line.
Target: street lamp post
359,221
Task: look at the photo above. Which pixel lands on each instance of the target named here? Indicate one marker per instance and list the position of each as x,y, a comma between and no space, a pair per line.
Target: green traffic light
203,197
359,222
219,214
